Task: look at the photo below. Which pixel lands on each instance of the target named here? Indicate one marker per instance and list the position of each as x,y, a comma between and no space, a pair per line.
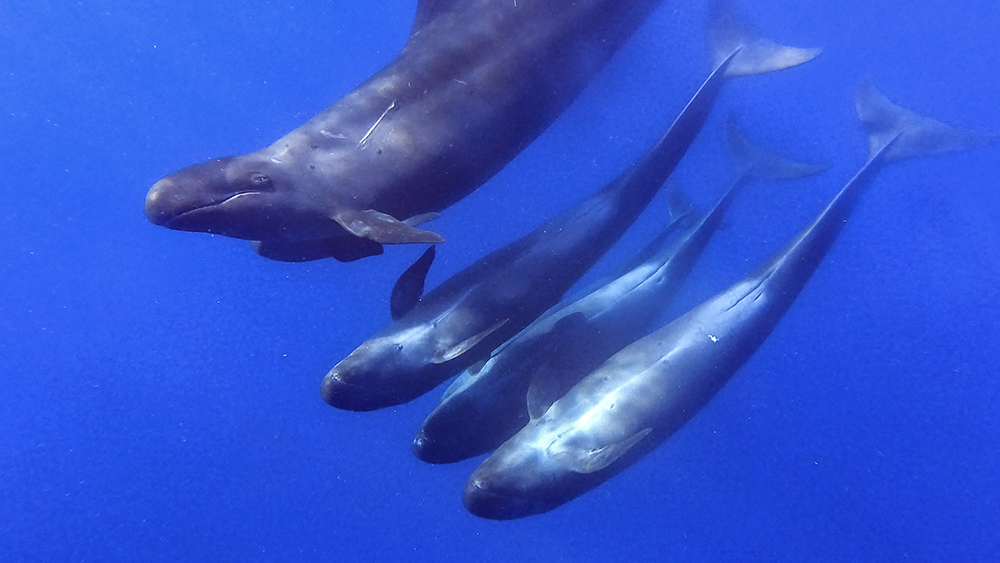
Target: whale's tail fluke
728,32
900,133
754,161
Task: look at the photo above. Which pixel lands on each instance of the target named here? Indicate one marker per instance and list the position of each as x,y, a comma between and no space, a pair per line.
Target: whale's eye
260,180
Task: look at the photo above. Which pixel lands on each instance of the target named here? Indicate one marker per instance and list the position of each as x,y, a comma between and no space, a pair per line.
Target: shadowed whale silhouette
460,322
649,390
477,81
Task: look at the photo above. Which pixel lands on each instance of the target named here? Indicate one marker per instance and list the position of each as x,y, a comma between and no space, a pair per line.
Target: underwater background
159,390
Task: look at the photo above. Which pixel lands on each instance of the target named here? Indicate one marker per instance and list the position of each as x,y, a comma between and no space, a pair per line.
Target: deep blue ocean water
159,390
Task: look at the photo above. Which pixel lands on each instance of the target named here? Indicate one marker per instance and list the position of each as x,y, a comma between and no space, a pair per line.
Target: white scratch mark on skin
330,135
374,125
237,196
462,82
275,160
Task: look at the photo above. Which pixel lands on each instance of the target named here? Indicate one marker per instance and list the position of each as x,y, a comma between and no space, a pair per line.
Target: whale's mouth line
222,202
350,396
482,501
492,494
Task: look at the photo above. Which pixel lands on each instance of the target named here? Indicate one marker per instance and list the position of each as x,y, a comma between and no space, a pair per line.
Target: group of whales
564,394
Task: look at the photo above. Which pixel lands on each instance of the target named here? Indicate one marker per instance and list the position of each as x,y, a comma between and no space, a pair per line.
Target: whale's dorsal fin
427,10
410,286
549,381
383,228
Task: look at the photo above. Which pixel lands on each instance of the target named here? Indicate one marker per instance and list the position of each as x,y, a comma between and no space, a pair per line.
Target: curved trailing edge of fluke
728,32
909,134
757,162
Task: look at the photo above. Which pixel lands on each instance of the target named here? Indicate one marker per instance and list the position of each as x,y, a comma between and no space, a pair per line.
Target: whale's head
557,457
392,368
248,197
479,411
519,479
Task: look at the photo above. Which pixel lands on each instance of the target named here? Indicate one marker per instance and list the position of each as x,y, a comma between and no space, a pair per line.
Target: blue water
159,391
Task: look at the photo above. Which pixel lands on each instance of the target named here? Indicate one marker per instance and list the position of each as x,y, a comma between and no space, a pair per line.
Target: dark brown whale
477,81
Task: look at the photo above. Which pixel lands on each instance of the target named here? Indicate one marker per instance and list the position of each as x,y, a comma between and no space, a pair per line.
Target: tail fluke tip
898,133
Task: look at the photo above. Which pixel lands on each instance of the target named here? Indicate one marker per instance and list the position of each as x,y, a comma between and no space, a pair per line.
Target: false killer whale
487,405
477,81
461,321
649,390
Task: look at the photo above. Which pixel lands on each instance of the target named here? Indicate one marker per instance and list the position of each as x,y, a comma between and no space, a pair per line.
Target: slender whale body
477,81
485,407
649,390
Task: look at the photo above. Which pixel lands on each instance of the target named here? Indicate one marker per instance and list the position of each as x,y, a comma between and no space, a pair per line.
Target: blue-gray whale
485,406
649,390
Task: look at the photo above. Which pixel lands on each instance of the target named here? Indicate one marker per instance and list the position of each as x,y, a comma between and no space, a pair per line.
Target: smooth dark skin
477,81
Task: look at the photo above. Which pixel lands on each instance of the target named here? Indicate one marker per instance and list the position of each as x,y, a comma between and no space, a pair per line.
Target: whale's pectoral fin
477,367
591,461
464,346
343,248
383,228
410,286
421,219
550,381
